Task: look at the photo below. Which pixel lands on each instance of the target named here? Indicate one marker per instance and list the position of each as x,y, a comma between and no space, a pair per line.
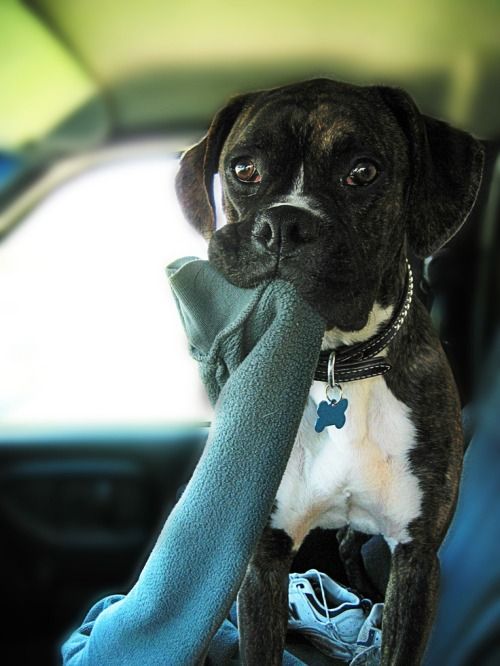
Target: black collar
359,361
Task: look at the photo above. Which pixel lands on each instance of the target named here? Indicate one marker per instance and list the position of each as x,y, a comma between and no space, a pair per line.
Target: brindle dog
330,186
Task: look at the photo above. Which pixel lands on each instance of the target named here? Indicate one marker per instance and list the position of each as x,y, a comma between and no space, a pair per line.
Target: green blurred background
76,73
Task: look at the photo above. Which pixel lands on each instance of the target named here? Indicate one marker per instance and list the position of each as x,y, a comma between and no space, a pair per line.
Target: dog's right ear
199,164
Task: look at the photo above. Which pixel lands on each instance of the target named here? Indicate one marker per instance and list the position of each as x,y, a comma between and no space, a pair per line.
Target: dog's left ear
446,164
199,164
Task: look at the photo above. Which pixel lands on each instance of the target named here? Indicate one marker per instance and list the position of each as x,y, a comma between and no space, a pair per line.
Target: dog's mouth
333,286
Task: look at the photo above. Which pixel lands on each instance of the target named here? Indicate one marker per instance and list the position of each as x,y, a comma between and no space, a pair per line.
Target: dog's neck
336,337
391,287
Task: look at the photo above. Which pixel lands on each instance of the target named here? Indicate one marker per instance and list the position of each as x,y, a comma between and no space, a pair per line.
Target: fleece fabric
257,350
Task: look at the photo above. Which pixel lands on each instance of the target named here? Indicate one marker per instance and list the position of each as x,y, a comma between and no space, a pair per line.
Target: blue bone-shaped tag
331,413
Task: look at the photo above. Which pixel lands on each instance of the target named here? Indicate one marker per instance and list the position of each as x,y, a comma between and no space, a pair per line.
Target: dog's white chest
358,475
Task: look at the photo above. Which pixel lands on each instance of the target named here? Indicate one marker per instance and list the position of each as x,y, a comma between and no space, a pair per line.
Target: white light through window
89,330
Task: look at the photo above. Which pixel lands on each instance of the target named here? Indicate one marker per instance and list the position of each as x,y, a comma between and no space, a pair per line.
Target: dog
332,187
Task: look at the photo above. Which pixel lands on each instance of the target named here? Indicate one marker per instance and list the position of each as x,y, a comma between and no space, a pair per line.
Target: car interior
102,413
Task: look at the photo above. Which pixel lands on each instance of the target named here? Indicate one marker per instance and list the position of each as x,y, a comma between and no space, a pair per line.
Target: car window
90,333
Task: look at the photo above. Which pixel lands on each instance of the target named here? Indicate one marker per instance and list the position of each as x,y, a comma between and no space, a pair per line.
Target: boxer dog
331,186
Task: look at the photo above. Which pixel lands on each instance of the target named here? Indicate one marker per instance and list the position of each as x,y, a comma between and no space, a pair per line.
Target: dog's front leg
263,601
410,604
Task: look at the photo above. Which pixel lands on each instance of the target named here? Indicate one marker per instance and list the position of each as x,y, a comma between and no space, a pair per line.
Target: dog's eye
246,171
363,173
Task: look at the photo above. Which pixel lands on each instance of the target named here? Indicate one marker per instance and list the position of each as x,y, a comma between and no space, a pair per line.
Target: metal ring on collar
333,393
331,370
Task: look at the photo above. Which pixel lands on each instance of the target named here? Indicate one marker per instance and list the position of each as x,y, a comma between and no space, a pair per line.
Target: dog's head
324,184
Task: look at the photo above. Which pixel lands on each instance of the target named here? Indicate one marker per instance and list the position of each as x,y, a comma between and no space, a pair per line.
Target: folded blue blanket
257,350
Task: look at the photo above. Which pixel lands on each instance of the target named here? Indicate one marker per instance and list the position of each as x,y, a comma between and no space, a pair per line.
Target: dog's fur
394,468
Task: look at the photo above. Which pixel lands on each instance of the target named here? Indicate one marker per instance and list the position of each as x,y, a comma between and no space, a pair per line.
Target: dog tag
331,413
332,410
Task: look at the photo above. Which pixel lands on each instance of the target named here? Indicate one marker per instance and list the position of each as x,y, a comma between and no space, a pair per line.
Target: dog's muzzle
284,229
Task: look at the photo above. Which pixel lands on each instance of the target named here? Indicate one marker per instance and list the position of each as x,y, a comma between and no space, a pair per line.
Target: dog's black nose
285,228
